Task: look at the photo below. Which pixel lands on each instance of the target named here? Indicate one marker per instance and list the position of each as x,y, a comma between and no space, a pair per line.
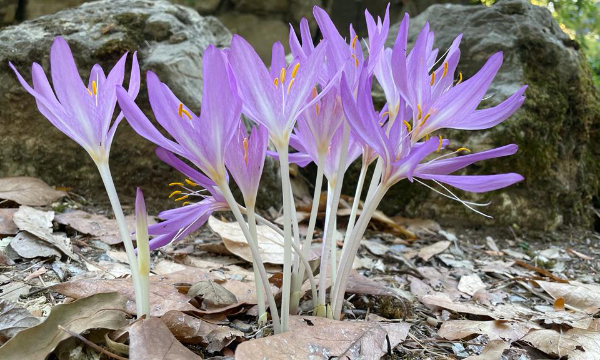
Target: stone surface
260,31
170,40
261,6
556,128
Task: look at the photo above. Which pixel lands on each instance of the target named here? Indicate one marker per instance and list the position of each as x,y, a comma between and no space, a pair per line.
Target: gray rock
555,129
170,40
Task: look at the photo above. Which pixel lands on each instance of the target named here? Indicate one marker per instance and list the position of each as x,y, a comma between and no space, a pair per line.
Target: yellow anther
190,182
89,92
276,82
385,113
176,192
445,69
425,119
181,111
176,184
314,92
295,70
290,85
94,88
426,137
182,198
354,41
432,79
355,59
419,113
408,126
463,149
185,203
317,108
459,78
246,151
440,144
282,75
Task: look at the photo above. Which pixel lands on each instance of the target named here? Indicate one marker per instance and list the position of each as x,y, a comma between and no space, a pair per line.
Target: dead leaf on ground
470,284
492,351
107,230
188,329
580,255
213,295
574,319
444,301
361,285
428,251
576,344
39,223
417,226
319,337
28,246
581,296
7,225
28,191
102,311
151,339
506,330
13,319
378,219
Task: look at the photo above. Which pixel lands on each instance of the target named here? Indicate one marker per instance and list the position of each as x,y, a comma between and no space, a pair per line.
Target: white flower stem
297,284
224,187
287,235
345,266
124,233
375,179
356,201
260,290
143,247
329,226
296,262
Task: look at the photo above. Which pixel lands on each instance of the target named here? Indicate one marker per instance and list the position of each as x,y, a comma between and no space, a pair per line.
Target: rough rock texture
170,40
556,129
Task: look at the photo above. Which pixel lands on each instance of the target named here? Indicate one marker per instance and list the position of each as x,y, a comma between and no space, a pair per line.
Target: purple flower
245,160
82,113
274,99
436,99
180,222
402,159
204,139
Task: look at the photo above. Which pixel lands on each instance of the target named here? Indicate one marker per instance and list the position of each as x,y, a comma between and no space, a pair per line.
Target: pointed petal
477,183
277,60
447,166
197,177
399,58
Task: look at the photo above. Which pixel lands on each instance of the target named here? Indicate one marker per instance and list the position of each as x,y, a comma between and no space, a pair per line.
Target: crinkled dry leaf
222,337
151,339
443,300
428,251
39,223
574,319
506,330
492,351
7,225
107,230
213,294
379,218
576,344
28,246
270,243
470,284
28,191
317,337
578,295
101,311
13,319
188,329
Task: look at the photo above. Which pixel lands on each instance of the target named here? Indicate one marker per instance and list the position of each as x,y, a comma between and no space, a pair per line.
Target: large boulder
170,40
556,129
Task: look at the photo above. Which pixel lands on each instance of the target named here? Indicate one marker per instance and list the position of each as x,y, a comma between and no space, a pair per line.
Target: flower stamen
246,150
419,112
463,149
190,182
276,82
181,111
176,192
425,119
445,69
354,41
282,75
290,85
432,79
408,126
94,87
355,59
295,70
440,144
176,184
182,198
459,78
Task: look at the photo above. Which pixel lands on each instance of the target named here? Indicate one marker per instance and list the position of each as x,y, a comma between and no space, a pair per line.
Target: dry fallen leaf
13,319
28,246
39,224
470,284
107,230
28,191
188,329
581,296
151,339
580,255
576,344
102,311
428,251
574,319
443,300
559,304
317,337
492,351
212,294
494,329
7,225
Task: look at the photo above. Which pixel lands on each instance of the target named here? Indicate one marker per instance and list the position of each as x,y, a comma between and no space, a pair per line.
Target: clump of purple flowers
319,105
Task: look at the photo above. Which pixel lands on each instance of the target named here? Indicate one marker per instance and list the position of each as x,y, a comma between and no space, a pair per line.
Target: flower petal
447,166
476,183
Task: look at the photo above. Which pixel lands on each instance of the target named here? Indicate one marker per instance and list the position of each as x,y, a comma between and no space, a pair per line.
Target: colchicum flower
83,113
